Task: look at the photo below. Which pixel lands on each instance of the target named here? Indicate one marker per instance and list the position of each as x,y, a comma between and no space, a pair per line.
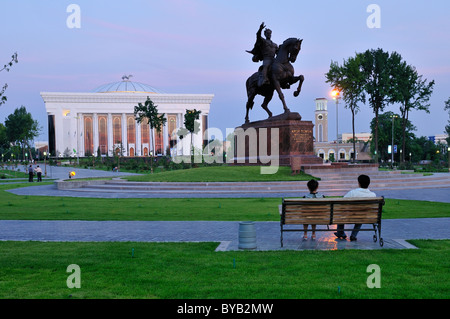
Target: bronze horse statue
281,76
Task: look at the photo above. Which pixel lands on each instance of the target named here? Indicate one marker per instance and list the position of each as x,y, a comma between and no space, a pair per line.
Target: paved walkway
394,232
62,172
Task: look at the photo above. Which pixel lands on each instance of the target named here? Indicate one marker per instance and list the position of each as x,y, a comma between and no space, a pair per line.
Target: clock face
320,116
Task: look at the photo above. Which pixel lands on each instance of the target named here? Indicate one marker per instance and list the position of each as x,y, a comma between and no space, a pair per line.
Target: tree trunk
354,141
403,137
192,148
153,150
376,136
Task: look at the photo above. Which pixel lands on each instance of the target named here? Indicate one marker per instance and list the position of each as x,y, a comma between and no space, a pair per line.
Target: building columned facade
102,122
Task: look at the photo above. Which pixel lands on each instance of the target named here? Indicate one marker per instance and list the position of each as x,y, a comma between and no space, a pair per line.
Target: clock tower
321,120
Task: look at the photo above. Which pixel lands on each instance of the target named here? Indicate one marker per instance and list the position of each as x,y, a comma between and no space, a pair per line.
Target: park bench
332,211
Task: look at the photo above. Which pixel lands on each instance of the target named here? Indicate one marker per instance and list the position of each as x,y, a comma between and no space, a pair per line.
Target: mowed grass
221,174
194,270
15,207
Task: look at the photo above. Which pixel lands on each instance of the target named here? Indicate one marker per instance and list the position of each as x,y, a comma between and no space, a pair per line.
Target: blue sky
195,46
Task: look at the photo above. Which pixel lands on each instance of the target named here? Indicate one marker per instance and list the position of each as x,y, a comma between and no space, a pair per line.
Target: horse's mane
289,41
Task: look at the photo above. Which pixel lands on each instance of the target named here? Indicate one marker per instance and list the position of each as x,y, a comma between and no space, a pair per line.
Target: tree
192,126
21,128
349,80
4,143
385,122
412,92
149,112
447,127
377,67
6,68
424,149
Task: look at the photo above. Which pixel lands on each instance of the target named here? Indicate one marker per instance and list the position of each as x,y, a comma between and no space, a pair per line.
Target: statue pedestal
284,137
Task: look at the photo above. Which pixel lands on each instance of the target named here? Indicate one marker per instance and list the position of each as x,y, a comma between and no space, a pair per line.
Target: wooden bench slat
308,213
308,222
308,208
298,217
361,208
348,213
355,221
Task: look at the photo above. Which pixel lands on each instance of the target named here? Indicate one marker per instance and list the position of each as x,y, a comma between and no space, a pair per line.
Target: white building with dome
83,124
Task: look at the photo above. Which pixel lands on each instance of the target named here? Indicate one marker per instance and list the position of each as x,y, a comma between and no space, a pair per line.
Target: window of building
158,142
103,134
88,136
172,126
145,133
131,130
117,130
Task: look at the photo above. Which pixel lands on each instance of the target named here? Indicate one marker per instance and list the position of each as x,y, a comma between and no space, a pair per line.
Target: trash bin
247,235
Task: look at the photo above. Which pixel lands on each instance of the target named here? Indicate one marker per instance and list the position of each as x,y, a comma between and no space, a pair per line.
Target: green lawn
191,271
226,209
30,270
7,174
221,174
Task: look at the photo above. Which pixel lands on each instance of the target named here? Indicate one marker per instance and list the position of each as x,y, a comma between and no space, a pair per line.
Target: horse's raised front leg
301,79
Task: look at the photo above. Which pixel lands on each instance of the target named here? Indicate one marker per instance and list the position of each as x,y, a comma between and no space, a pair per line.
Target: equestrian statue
275,73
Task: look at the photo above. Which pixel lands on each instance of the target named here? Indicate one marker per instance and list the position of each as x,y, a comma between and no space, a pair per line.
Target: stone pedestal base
285,138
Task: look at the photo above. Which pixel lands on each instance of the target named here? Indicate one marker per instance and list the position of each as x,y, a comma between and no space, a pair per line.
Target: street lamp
45,163
392,145
448,153
336,96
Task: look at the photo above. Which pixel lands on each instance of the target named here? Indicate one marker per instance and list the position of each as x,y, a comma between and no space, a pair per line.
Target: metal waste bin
247,235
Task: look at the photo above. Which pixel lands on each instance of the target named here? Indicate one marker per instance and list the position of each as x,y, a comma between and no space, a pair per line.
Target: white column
95,129
59,132
81,135
124,134
181,142
165,130
138,139
110,135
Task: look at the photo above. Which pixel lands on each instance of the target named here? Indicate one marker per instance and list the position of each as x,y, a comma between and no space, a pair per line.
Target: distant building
364,137
82,124
439,138
336,150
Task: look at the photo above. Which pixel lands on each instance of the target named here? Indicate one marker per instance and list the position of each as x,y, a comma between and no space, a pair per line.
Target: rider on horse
264,50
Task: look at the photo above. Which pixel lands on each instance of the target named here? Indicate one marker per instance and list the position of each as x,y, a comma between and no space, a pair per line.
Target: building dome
126,86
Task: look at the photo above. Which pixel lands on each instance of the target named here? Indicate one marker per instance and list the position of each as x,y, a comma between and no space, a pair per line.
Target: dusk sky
195,46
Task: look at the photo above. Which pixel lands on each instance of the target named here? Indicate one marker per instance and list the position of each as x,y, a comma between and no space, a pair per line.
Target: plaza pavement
394,232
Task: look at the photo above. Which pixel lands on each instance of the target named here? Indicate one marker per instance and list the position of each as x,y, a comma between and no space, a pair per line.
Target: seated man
362,191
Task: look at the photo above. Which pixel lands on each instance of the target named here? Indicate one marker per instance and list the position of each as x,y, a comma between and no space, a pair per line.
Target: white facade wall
70,108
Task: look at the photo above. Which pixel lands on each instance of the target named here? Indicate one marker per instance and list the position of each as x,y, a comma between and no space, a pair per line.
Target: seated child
313,186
